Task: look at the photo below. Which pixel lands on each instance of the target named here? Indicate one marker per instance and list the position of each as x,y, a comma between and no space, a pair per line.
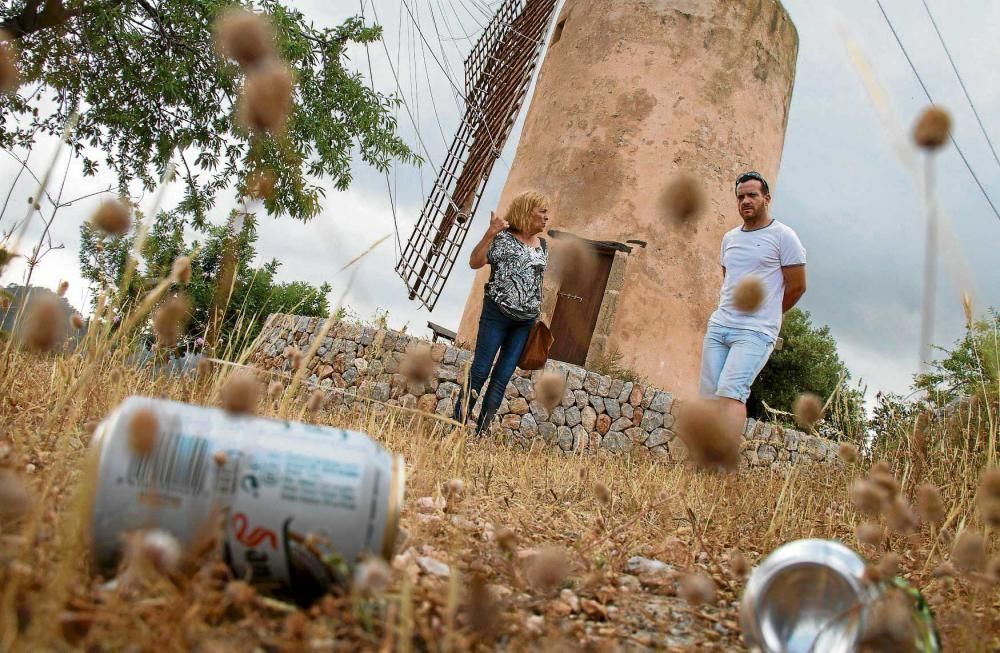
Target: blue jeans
730,361
497,332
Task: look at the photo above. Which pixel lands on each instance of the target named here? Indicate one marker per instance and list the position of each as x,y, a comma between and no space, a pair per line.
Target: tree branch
31,20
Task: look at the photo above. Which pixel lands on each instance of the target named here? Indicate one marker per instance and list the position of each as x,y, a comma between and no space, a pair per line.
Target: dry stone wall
596,412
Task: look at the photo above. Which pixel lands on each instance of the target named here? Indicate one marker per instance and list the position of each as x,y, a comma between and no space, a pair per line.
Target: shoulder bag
536,349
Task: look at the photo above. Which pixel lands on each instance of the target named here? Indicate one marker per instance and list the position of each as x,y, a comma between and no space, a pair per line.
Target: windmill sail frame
498,72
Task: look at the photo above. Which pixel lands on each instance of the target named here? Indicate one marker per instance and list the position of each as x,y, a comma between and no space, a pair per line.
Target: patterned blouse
515,284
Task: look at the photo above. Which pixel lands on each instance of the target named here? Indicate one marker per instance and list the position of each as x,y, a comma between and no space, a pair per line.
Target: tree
255,293
808,362
971,368
148,86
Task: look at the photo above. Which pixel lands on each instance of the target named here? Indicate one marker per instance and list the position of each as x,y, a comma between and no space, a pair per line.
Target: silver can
807,596
301,503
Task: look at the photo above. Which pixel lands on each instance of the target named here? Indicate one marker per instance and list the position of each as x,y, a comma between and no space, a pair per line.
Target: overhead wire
388,186
447,74
958,149
402,98
961,82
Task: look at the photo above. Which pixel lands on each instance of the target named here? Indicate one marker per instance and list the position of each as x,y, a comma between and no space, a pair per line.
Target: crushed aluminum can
812,595
808,595
301,503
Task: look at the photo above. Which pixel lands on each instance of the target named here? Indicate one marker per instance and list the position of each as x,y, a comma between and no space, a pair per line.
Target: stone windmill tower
630,93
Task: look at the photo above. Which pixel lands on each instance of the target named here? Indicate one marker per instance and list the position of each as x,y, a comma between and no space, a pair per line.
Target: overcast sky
847,183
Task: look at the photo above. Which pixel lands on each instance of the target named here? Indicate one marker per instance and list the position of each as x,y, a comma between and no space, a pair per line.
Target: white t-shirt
762,253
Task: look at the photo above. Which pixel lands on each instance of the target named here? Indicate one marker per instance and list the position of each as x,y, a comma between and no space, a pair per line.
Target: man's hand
795,285
497,224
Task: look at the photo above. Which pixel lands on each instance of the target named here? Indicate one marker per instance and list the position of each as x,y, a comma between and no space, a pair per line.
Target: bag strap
545,247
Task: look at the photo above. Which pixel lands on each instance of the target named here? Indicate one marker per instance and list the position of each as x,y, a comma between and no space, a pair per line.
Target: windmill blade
498,72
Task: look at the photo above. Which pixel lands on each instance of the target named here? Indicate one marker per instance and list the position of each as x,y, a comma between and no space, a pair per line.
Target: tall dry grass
536,543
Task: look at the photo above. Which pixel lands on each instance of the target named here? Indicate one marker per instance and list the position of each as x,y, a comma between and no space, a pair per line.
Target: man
737,343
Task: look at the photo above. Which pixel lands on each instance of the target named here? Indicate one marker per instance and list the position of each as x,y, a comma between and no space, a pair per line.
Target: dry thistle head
219,458
9,77
5,297
274,390
372,576
886,481
142,430
44,326
711,439
113,217
62,288
989,510
880,467
243,36
748,294
570,257
888,566
808,409
260,184
169,320
993,569
869,533
548,569
989,484
969,552
418,366
549,389
453,489
930,505
847,452
602,492
738,564
76,321
506,539
868,497
240,593
181,270
481,607
967,308
683,198
294,355
204,368
15,497
267,97
933,128
315,401
889,626
944,570
697,588
240,393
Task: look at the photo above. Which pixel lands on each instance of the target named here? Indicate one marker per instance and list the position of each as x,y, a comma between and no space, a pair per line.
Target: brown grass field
536,542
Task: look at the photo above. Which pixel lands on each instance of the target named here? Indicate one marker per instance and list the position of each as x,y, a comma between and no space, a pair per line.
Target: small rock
570,599
431,504
433,566
535,624
640,565
558,608
593,609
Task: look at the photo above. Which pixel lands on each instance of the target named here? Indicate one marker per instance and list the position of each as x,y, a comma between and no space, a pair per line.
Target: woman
517,258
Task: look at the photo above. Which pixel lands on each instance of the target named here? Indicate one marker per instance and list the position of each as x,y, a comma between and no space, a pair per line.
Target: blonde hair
521,207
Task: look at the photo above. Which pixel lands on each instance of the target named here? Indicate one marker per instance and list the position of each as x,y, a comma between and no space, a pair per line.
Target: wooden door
577,308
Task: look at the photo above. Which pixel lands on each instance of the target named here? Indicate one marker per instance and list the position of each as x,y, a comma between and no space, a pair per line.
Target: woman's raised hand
497,224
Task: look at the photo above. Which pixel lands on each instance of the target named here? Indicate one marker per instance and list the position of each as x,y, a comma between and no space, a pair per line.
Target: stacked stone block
596,412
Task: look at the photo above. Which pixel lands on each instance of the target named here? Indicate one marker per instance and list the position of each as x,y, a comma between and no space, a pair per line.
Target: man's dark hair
753,174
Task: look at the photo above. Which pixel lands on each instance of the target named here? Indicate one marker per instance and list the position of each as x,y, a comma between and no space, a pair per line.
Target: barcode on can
177,464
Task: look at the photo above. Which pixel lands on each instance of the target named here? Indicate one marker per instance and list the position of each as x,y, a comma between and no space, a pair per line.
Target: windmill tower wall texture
630,93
